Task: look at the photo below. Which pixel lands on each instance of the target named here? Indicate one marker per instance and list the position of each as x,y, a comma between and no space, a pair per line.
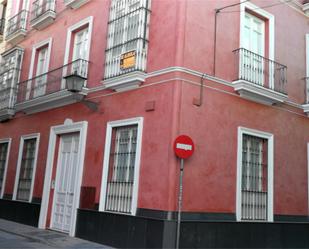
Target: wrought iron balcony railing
17,22
52,81
40,7
260,71
2,25
7,98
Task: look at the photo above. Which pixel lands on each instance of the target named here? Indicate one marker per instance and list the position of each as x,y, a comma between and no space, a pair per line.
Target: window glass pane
254,178
121,169
3,155
26,170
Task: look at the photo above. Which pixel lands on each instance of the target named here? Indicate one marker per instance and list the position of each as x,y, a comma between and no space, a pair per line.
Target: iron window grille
3,157
2,25
9,76
121,169
254,180
26,170
127,32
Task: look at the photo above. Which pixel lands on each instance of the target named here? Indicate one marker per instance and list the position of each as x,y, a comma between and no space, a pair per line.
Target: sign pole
183,148
179,202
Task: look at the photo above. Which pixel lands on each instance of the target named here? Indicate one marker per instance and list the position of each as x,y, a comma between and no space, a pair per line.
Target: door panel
252,60
65,183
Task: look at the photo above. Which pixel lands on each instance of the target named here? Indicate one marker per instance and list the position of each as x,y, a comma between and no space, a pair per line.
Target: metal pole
179,203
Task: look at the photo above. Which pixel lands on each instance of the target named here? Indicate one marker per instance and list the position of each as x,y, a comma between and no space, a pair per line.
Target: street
18,236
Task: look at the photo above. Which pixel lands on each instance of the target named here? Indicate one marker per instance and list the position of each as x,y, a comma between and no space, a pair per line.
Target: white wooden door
41,70
80,51
66,178
254,29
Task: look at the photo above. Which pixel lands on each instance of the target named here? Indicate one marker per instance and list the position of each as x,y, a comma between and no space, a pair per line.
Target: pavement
18,236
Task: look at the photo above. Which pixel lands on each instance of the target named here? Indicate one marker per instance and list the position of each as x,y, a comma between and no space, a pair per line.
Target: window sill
258,93
125,82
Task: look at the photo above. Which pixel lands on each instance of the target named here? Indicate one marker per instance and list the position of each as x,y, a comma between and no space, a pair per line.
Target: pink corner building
93,94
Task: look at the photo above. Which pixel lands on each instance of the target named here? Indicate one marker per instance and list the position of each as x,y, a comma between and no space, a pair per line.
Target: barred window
3,161
121,169
127,32
254,178
10,68
26,170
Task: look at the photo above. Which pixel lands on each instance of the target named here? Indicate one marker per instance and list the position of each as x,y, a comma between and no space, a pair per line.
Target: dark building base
21,212
125,231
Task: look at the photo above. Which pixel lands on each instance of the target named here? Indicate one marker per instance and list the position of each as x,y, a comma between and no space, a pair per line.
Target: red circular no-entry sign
183,146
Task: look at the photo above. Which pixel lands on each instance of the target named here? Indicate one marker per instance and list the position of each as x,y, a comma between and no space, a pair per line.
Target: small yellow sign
127,60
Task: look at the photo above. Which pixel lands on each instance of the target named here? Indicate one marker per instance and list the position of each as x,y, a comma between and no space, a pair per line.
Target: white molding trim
270,163
271,27
9,141
187,71
307,55
70,31
35,48
20,155
67,127
109,128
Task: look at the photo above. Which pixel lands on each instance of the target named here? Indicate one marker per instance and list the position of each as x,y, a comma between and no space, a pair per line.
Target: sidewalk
48,238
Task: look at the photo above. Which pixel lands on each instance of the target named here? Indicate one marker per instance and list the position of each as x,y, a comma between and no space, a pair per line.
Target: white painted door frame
67,127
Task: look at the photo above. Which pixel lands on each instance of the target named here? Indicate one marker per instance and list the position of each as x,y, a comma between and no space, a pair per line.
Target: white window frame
307,55
110,125
9,141
20,155
270,170
87,21
68,127
271,28
48,42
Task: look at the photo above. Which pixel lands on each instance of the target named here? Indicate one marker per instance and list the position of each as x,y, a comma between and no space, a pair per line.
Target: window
255,177
41,70
39,66
26,168
80,52
9,76
3,8
4,155
10,68
127,32
77,53
121,166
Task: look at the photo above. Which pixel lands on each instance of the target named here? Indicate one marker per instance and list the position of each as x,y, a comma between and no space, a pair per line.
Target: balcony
7,101
2,23
43,14
16,28
51,90
259,79
75,4
126,71
306,104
